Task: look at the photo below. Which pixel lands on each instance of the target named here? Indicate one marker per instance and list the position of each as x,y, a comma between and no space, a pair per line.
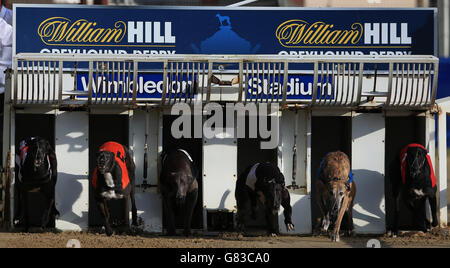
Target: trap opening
33,125
250,153
195,149
400,131
329,134
104,128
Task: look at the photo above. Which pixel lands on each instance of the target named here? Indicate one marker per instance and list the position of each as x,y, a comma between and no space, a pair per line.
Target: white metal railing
408,82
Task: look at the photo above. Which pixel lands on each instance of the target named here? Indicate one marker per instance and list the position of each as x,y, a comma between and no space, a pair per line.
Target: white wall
300,198
72,152
368,165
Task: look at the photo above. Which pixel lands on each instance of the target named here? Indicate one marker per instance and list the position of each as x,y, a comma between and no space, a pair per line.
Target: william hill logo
300,33
294,33
63,31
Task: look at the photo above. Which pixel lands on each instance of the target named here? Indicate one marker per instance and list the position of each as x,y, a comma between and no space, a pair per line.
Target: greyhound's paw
394,234
56,214
241,227
335,238
109,231
435,224
290,227
273,235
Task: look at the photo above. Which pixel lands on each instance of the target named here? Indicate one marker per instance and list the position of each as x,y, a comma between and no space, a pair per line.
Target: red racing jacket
119,153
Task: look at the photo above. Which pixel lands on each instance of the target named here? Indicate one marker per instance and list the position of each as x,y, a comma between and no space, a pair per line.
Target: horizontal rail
407,82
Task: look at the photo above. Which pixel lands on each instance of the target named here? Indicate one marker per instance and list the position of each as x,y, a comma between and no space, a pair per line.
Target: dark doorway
195,149
250,153
104,128
34,125
400,131
329,134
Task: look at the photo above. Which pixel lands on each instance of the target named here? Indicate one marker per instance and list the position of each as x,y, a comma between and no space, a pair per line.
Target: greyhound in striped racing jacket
265,182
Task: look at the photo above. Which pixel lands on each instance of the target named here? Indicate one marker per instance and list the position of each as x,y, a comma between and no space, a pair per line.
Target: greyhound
336,192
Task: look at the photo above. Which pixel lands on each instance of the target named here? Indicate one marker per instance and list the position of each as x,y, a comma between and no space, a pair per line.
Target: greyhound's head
272,194
415,161
105,161
337,190
415,164
180,184
37,151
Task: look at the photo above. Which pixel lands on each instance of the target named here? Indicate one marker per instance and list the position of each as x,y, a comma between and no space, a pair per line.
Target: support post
442,170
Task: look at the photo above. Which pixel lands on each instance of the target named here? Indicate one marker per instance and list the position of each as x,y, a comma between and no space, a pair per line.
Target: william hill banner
168,30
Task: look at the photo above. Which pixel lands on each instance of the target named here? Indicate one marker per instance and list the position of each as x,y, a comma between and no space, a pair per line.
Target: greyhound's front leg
433,206
243,203
169,212
48,193
105,216
286,204
191,200
397,203
326,222
337,226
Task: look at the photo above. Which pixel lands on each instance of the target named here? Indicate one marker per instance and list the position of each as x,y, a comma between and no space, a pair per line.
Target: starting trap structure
366,106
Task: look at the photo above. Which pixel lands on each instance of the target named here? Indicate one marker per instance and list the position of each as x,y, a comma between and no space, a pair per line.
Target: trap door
220,151
72,152
368,152
104,128
400,131
32,125
148,200
195,149
328,134
295,129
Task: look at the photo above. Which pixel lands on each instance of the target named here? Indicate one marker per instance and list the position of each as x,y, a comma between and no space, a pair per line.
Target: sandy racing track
436,239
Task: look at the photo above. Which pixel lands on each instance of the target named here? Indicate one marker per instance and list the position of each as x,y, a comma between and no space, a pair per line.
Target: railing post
135,83
60,82
15,83
208,88
91,76
164,89
435,82
241,78
316,79
285,81
390,80
360,82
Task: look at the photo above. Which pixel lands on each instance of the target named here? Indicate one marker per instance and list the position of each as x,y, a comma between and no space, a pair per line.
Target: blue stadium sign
169,30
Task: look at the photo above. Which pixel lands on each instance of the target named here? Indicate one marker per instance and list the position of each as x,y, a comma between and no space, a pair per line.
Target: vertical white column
148,201
300,198
72,152
442,169
219,172
368,157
